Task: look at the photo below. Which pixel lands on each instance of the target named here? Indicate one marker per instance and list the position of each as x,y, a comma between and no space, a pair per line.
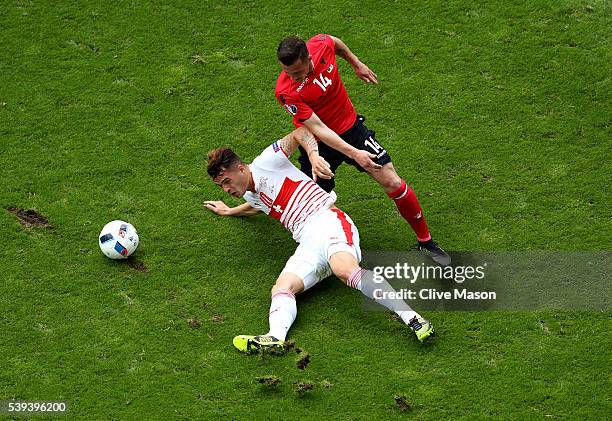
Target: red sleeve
322,39
294,105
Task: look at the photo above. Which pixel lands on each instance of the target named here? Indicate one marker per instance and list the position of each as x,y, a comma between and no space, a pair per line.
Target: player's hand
217,207
320,168
365,160
364,73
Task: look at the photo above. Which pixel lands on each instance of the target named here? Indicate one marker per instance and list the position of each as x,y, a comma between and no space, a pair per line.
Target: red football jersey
322,92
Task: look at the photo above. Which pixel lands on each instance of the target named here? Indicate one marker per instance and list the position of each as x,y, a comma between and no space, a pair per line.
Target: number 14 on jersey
322,82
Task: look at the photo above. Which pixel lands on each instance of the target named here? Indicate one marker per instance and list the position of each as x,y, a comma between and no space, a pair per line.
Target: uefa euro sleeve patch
291,108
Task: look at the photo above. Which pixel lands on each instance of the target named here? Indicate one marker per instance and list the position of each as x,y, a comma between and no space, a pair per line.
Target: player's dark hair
290,50
221,159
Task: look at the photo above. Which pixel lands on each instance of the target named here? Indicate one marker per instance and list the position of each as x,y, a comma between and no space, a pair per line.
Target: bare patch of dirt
194,323
270,381
402,403
289,345
303,361
302,387
218,318
137,265
30,218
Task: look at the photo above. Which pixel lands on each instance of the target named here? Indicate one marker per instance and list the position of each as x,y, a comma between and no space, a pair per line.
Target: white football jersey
284,192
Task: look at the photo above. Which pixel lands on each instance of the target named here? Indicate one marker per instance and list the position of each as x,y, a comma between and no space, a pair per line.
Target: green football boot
262,343
421,328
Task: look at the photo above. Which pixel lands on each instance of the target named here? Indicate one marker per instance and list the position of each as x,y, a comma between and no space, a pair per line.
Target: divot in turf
30,217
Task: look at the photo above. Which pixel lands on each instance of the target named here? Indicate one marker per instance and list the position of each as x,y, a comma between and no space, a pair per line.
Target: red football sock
409,207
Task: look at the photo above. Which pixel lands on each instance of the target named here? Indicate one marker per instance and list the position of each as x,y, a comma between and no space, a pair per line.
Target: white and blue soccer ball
118,240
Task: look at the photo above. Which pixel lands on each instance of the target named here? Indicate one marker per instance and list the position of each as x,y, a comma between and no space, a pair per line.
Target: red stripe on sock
355,277
400,191
283,292
410,209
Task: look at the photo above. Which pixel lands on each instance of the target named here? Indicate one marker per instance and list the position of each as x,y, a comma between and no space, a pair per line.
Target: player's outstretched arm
320,167
303,137
330,138
362,71
221,209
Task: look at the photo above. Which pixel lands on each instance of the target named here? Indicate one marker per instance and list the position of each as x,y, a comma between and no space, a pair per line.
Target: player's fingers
374,78
323,171
373,164
212,209
314,176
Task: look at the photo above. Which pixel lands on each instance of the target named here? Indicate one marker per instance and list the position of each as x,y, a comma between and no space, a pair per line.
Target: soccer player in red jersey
310,89
328,239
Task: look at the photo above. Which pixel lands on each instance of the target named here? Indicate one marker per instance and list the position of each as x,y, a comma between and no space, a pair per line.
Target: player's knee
392,183
288,283
343,273
389,180
343,264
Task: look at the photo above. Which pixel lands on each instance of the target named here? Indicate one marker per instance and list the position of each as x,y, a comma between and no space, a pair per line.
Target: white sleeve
273,158
251,199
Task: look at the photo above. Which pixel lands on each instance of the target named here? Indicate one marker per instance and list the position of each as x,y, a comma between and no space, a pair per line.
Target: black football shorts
358,136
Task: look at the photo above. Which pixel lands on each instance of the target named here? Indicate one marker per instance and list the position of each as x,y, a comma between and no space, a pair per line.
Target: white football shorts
326,233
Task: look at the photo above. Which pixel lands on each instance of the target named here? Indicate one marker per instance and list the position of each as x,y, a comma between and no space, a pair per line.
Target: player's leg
404,198
396,188
283,310
409,207
342,253
300,273
345,266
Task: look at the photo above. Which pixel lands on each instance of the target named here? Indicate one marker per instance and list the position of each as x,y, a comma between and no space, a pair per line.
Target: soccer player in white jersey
328,239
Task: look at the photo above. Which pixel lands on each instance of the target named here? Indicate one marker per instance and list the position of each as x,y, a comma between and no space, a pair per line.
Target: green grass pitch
497,113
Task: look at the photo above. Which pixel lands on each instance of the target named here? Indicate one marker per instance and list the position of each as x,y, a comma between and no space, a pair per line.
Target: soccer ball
118,240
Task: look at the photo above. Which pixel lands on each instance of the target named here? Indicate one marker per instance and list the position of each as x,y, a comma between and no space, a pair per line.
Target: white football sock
362,280
283,311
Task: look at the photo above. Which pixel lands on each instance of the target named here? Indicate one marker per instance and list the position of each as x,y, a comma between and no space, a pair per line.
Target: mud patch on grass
194,323
289,345
266,352
303,361
30,217
303,387
402,403
268,381
137,265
